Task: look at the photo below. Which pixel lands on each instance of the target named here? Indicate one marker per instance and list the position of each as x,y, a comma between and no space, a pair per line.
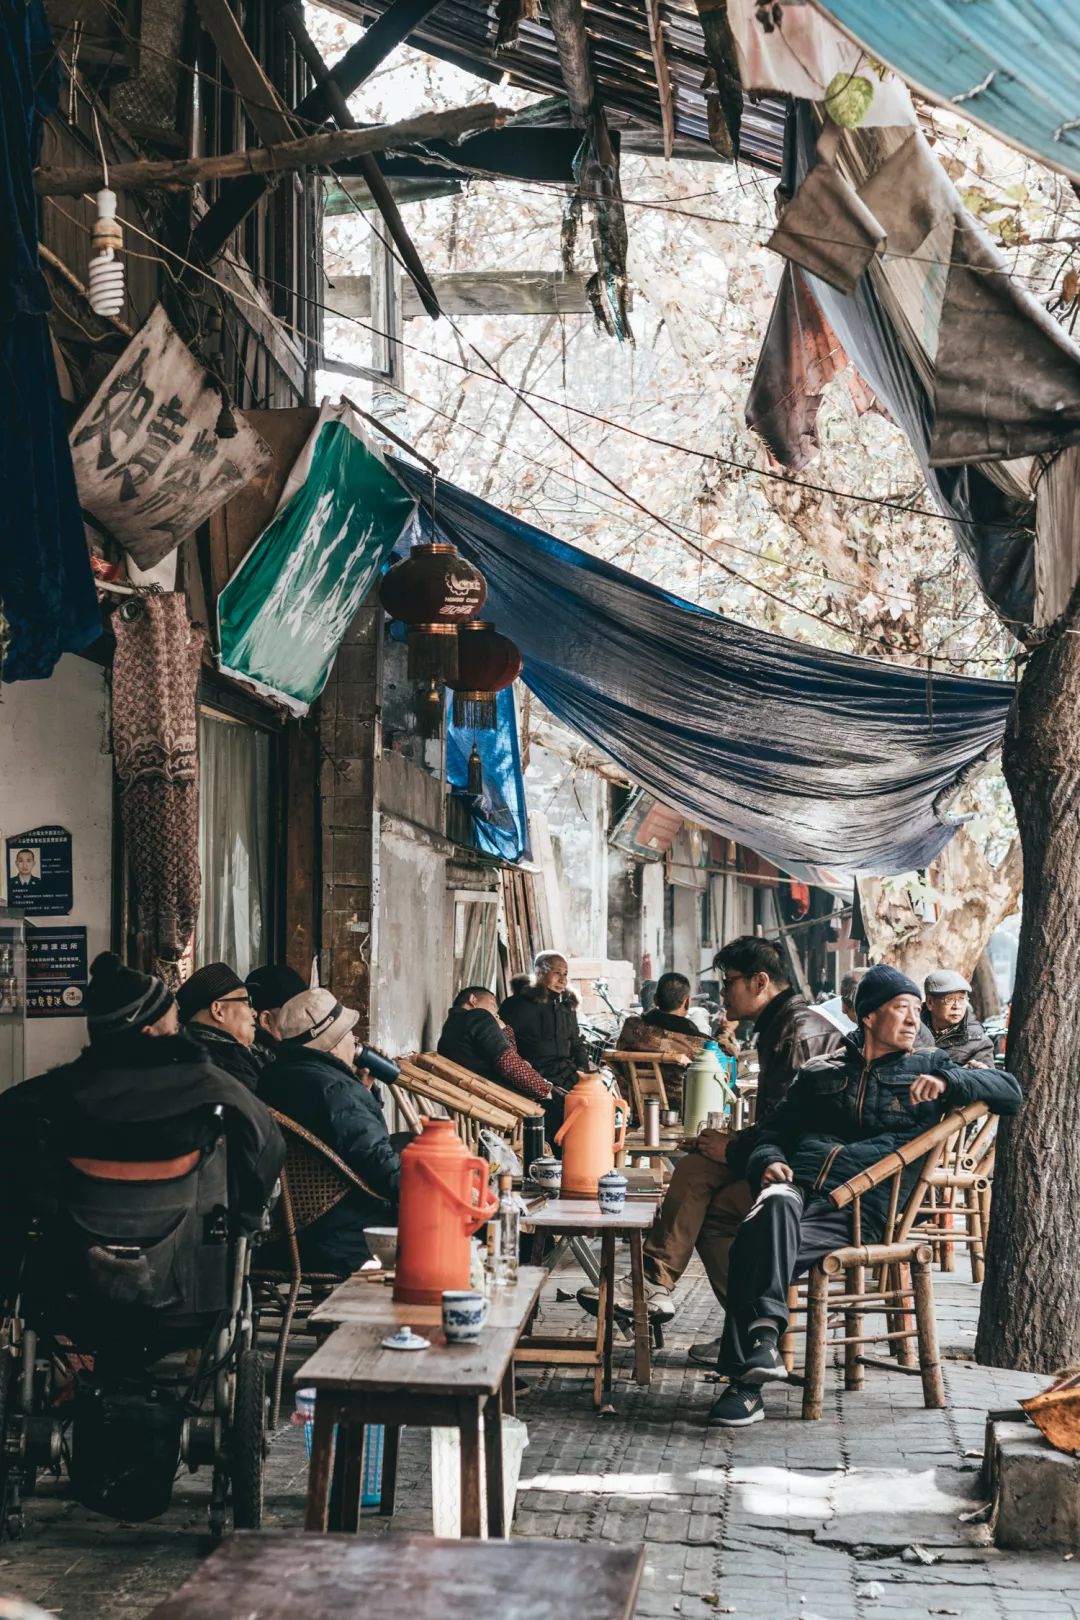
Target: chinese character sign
56,973
148,460
39,872
282,616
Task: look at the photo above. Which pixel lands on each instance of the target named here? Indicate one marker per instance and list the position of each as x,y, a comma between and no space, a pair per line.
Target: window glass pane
234,843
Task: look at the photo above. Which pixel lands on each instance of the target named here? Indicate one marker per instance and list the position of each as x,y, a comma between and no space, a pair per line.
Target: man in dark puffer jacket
844,1113
312,1081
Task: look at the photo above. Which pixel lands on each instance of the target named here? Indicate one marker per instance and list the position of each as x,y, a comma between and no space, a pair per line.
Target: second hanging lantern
487,664
433,591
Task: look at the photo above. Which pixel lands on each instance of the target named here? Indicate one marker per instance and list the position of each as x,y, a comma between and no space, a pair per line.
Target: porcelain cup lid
406,1339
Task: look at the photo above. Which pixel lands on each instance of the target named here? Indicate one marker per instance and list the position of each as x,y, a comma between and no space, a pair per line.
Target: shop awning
801,754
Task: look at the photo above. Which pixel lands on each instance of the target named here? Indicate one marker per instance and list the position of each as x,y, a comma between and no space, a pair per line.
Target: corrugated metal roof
463,32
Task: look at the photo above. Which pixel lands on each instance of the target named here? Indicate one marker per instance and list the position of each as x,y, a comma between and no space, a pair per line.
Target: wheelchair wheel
247,1441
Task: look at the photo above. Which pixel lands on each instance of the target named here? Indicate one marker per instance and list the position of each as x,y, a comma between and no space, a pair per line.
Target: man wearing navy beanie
844,1112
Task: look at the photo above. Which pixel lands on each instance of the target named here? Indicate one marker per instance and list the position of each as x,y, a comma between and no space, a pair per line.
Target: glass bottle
507,1225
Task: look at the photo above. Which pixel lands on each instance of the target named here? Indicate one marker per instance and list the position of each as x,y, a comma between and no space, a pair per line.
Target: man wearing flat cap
216,1012
845,1112
947,1015
312,1080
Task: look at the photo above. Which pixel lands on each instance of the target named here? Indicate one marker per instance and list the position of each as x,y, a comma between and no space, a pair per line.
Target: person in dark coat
312,1080
217,1013
270,987
788,1030
542,1014
474,1036
843,1114
947,1015
140,1090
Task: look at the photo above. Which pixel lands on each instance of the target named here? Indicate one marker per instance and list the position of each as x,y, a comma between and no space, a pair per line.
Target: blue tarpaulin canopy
798,753
498,818
1012,66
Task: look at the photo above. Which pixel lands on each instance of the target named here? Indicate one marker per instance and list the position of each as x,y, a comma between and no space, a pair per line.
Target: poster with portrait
56,972
39,878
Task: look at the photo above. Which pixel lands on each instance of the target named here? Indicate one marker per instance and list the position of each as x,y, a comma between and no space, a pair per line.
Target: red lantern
487,664
433,591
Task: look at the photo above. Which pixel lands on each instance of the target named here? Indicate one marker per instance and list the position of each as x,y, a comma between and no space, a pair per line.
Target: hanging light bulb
106,279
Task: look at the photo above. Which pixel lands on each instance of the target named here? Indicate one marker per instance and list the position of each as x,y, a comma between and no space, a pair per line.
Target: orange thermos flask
592,1132
444,1199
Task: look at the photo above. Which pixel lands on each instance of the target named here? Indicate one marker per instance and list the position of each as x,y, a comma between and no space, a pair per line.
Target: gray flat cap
944,982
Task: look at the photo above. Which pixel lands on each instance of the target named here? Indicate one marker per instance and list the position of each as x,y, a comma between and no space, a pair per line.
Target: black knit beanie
273,984
879,985
207,984
120,999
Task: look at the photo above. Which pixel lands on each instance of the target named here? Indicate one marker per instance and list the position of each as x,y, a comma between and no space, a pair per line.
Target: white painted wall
56,767
414,955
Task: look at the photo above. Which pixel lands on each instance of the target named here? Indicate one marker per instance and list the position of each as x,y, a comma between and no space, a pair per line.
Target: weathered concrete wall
575,804
412,988
56,768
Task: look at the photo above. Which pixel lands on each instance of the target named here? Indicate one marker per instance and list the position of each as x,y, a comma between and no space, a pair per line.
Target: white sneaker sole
756,1376
738,1422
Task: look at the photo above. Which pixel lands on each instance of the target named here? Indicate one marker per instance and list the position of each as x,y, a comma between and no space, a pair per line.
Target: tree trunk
985,995
1030,1315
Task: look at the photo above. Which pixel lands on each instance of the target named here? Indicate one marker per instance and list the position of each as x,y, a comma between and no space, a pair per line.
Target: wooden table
357,1382
572,1217
303,1577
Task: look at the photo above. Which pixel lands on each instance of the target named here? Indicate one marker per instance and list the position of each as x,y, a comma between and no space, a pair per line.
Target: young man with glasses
217,1013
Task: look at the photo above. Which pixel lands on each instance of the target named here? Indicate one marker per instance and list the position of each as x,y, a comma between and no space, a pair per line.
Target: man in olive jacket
844,1113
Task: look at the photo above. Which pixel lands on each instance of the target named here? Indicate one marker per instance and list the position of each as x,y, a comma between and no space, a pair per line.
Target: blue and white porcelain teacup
464,1312
546,1172
611,1191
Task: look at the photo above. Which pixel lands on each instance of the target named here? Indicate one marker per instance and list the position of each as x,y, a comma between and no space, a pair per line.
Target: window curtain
234,842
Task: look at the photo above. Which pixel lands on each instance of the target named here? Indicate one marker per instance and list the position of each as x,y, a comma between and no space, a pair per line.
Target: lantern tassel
475,711
433,652
430,716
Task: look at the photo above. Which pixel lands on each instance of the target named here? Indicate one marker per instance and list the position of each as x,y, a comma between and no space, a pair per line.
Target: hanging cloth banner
498,816
150,460
282,615
799,753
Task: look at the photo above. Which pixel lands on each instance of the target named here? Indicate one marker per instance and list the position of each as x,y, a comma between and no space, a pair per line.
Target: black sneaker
764,1364
736,1408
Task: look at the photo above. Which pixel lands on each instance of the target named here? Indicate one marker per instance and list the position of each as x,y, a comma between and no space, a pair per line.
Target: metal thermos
384,1069
652,1122
532,1140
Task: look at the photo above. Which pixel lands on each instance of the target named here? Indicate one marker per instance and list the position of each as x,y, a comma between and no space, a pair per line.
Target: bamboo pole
310,151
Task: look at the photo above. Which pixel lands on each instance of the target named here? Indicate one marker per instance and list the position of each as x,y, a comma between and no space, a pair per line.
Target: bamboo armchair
469,1099
313,1182
643,1076
838,1294
957,1212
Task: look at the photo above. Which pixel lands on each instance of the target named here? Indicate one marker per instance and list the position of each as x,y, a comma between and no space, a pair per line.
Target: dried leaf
954,168
1070,286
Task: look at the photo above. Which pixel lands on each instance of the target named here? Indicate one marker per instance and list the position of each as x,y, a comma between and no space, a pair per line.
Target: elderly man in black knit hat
844,1112
141,1090
216,1011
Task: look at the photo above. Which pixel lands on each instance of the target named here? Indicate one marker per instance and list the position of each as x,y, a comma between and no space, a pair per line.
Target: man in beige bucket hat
312,1081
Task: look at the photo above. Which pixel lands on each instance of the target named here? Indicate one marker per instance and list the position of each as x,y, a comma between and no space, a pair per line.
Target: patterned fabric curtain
155,743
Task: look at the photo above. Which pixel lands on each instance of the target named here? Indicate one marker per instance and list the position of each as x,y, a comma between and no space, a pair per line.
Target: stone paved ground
784,1521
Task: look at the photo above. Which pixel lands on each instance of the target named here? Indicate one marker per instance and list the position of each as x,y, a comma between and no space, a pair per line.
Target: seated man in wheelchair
844,1113
132,1180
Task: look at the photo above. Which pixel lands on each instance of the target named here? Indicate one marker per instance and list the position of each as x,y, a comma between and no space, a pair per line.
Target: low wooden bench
470,1100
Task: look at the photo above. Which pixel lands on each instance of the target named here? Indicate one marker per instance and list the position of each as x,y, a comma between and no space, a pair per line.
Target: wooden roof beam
567,18
663,75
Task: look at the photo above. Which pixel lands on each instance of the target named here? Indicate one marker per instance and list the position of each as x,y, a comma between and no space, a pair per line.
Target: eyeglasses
730,978
242,1000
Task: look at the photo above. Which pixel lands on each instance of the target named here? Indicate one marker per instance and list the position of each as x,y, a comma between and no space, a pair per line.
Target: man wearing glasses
216,1011
709,1197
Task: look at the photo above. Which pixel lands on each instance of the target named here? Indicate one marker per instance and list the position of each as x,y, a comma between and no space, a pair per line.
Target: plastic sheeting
497,817
798,753
1012,66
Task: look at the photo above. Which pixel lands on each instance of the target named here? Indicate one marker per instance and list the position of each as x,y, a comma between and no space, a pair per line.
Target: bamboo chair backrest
930,1147
314,1180
476,1085
644,1076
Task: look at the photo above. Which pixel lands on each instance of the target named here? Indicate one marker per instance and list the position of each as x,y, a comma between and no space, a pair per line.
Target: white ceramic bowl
382,1241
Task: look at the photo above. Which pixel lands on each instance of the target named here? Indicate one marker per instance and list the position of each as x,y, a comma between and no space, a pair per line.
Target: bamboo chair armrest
896,1163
